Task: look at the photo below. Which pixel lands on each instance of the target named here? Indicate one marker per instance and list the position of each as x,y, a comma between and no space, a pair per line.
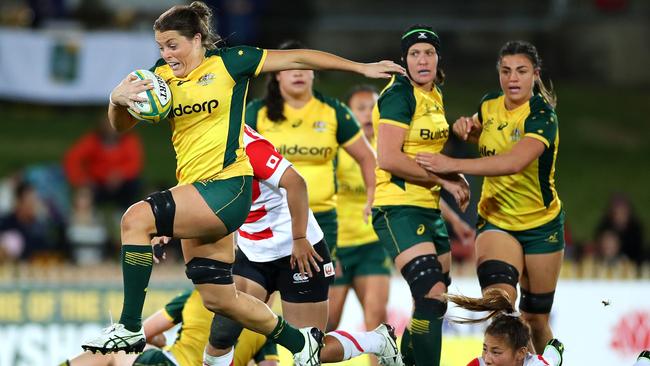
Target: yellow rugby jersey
207,113
528,199
187,308
309,137
422,114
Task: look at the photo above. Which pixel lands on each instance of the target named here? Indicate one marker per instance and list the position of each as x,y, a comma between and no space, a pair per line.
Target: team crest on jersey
515,135
319,126
206,79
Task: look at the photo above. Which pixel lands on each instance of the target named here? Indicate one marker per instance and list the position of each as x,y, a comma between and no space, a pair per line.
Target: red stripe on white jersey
260,235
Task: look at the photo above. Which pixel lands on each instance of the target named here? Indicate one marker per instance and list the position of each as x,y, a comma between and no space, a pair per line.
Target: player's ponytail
529,50
506,322
273,99
188,20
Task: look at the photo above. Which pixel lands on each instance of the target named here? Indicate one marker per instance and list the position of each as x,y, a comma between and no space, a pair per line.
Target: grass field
604,145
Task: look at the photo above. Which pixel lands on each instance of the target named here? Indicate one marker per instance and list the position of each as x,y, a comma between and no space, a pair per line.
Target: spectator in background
24,232
86,233
621,221
609,249
109,163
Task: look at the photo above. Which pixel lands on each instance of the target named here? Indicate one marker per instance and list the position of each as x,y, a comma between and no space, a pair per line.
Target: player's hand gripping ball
159,99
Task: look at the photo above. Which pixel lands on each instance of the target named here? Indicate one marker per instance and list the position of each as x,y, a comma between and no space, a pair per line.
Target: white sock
225,360
642,362
552,355
356,343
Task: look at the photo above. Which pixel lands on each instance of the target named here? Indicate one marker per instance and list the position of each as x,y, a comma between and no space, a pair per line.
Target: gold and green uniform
309,138
422,115
527,199
207,113
187,309
406,214
359,250
351,201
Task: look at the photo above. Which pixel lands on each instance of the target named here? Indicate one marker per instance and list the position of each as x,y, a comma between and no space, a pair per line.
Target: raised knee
136,218
426,280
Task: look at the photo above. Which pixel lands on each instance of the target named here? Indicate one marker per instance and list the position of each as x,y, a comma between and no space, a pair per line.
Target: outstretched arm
155,325
280,60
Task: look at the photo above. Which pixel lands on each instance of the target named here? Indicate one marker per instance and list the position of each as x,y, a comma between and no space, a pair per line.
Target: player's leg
544,253
408,234
179,212
339,290
500,261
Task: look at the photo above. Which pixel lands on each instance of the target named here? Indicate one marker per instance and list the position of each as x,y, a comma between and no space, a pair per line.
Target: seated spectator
108,162
25,232
609,249
621,221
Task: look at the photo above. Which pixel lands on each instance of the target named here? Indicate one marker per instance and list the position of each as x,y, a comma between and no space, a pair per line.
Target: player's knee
536,304
493,272
424,273
164,209
210,271
137,218
536,322
224,332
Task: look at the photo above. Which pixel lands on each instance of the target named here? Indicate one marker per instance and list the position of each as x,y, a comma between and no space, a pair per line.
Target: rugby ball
159,99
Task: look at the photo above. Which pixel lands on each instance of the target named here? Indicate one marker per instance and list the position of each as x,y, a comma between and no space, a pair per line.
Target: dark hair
188,20
434,41
22,189
273,99
506,323
360,88
528,49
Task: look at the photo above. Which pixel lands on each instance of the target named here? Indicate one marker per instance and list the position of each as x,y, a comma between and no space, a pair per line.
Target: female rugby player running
213,196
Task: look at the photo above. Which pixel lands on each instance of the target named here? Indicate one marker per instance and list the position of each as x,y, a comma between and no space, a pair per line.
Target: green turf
603,149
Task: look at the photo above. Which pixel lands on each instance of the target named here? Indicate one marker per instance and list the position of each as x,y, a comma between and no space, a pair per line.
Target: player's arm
124,96
302,59
155,325
522,154
364,155
463,231
392,159
468,128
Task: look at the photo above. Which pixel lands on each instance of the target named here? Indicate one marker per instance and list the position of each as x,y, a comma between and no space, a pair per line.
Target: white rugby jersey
530,360
266,234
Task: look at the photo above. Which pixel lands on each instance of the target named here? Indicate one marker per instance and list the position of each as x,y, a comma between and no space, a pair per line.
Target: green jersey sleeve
347,126
542,121
174,308
485,98
397,103
243,61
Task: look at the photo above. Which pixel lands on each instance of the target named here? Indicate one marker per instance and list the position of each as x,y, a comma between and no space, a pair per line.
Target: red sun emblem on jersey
632,333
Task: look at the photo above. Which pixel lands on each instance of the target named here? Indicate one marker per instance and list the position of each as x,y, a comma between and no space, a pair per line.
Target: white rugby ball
159,99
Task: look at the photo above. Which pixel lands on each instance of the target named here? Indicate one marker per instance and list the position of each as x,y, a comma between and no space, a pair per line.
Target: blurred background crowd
66,177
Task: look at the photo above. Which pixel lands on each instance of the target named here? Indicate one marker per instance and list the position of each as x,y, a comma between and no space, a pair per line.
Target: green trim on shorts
153,357
230,199
546,238
362,260
329,224
400,227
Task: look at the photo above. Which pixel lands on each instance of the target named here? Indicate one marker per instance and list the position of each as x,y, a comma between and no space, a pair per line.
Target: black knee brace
224,332
164,209
205,270
536,303
447,279
492,272
421,273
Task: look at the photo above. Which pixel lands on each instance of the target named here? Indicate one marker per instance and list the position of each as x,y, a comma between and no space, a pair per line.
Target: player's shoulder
491,96
536,360
539,105
329,101
161,68
399,85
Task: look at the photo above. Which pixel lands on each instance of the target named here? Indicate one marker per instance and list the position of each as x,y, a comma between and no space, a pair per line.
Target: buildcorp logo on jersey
288,150
206,106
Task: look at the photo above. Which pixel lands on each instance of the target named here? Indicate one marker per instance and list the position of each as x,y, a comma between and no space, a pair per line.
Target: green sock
65,363
136,269
287,336
406,348
426,332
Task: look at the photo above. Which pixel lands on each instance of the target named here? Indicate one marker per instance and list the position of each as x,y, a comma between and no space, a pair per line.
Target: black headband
419,35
